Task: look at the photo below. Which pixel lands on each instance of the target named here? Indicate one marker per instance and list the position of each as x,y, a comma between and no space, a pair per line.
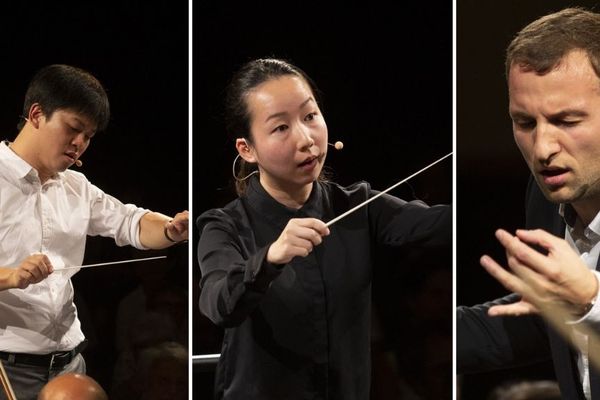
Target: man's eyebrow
569,113
519,115
78,120
558,115
82,125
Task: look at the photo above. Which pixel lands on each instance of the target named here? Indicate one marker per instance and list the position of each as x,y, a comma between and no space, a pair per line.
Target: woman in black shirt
293,294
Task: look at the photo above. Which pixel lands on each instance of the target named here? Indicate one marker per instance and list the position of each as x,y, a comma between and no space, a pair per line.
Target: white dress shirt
53,218
586,242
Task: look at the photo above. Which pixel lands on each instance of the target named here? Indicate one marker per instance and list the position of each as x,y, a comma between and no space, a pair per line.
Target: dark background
491,175
140,54
385,71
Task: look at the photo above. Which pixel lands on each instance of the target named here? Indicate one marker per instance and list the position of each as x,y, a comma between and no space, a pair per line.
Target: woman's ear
245,150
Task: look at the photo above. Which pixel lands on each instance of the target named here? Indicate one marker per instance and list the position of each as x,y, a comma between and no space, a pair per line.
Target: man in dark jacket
553,72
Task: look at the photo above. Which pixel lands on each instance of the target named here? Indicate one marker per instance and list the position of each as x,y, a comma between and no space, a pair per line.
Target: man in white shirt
46,212
553,73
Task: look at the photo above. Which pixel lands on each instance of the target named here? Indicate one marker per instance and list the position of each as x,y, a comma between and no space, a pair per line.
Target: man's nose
546,144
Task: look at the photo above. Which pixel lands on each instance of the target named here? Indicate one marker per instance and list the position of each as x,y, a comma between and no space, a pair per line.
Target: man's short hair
61,87
542,44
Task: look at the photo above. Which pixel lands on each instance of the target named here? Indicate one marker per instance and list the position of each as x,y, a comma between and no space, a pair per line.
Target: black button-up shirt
302,330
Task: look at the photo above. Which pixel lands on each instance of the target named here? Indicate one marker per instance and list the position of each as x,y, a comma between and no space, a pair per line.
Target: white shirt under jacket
586,242
53,219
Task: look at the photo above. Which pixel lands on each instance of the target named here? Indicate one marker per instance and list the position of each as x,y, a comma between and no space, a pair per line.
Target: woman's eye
280,128
310,116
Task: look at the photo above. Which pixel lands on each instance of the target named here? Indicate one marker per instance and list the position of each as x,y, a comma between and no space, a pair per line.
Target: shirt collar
13,165
569,215
262,202
567,212
15,168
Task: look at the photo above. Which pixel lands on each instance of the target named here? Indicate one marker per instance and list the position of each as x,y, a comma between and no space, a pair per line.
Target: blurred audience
71,386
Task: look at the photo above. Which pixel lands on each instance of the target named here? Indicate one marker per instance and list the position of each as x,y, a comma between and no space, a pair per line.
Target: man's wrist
166,232
586,307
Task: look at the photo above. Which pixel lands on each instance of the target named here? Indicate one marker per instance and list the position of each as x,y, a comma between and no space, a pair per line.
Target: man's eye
568,123
525,124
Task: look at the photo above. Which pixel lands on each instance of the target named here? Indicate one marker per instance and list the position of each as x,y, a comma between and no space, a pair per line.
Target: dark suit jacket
486,343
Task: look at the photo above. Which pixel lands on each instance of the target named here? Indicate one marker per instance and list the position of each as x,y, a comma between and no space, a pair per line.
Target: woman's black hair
237,115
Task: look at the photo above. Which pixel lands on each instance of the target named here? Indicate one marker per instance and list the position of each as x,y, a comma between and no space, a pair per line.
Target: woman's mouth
309,163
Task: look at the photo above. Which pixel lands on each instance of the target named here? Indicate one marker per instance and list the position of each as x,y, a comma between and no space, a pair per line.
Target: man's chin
561,195
554,194
62,167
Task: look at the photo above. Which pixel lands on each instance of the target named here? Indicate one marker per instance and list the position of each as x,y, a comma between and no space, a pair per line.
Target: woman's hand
298,239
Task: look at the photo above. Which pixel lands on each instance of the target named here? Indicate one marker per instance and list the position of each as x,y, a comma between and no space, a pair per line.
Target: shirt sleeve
412,225
485,343
592,318
111,218
234,277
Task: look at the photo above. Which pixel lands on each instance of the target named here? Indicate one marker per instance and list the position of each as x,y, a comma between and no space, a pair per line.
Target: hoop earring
233,171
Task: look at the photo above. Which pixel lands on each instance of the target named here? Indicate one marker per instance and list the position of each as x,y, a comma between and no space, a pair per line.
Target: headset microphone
338,145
